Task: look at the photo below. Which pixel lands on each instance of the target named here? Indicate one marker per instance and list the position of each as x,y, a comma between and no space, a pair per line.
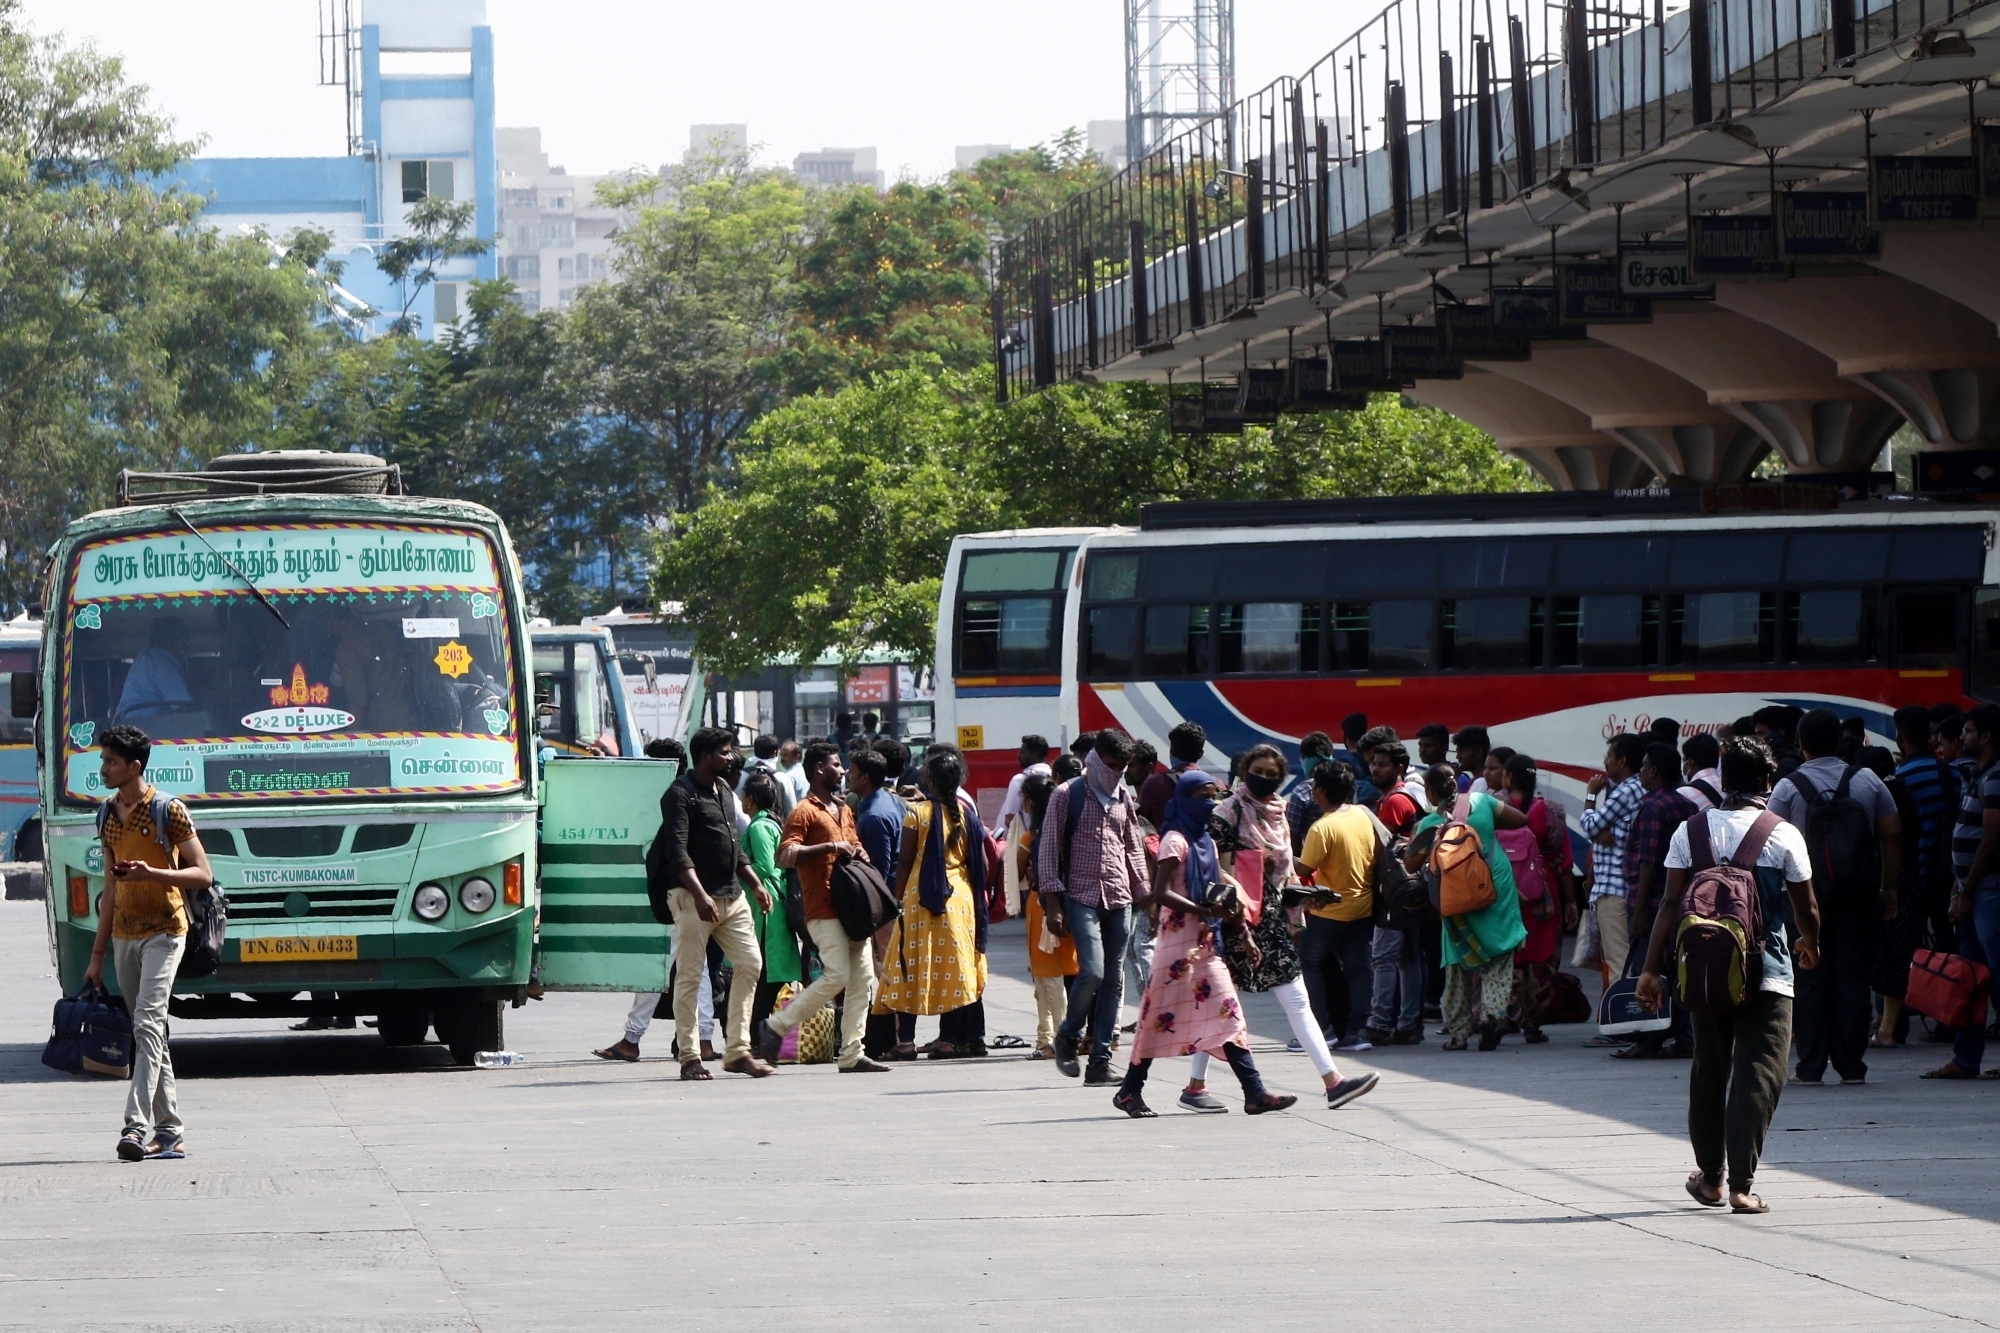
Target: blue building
419,81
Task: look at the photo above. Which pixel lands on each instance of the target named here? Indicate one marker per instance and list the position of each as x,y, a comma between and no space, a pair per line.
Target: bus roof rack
278,472
1170,515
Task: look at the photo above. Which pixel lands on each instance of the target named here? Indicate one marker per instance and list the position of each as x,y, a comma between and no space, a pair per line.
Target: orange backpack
1461,882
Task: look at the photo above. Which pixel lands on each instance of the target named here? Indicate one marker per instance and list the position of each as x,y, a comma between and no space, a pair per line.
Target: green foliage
436,235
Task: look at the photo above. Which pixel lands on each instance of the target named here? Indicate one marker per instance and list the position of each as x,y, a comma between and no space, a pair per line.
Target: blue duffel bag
91,1036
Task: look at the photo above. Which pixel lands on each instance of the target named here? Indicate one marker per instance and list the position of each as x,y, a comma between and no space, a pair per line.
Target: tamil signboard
1470,335
1312,388
1533,312
1660,268
1930,191
1592,294
1419,352
1358,367
1737,246
1989,162
1828,224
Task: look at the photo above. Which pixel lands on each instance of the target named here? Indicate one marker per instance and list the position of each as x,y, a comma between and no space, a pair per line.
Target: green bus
339,681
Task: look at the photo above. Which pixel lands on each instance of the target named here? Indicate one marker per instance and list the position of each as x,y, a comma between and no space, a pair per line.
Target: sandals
692,1072
1132,1104
1950,1069
1756,1205
1883,1040
1456,1044
1003,1042
132,1146
166,1150
1042,1053
1695,1184
613,1053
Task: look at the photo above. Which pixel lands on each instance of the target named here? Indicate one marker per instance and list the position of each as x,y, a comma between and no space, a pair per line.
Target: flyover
1628,243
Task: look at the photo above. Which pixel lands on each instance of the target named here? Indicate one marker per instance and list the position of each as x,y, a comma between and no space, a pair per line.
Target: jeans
1398,962
1096,995
849,969
1978,942
1833,1014
1739,1070
146,968
1345,946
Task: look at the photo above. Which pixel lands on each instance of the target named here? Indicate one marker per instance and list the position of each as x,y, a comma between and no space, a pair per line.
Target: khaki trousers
1614,935
849,966
1051,1003
146,970
735,930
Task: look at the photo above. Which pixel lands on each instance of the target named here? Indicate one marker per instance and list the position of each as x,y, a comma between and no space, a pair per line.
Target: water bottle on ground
498,1059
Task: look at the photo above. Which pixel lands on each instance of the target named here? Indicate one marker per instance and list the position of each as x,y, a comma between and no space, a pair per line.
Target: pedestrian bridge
1627,240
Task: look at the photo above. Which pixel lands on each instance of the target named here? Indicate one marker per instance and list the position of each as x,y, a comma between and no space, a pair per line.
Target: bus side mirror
27,693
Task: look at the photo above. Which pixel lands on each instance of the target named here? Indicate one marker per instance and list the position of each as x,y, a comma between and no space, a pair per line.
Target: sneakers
1375,1036
1270,1103
765,1042
1132,1104
1098,1075
1066,1064
1358,1042
1202,1103
1345,1091
1295,1047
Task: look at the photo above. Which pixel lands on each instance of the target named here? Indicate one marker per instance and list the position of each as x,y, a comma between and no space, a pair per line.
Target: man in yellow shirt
143,921
1340,851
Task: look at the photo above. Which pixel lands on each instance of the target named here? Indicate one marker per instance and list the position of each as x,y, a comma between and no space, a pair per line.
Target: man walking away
1340,853
152,858
1661,811
764,759
1975,890
1089,871
698,820
1186,743
1739,1053
1607,828
1854,838
1776,724
820,831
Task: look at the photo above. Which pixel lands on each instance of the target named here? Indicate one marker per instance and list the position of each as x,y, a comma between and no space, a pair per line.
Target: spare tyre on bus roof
272,472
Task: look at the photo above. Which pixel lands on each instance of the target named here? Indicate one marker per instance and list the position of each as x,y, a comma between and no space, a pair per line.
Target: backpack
1456,874
1400,897
1840,836
1719,940
658,882
861,897
207,908
1524,854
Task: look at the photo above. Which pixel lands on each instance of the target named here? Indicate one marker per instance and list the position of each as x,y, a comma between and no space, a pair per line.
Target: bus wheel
469,1025
405,1024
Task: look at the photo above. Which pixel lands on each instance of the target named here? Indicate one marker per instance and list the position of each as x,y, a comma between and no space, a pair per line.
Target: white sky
616,83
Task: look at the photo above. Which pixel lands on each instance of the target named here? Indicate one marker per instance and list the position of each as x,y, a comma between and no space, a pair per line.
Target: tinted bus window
1726,560
1269,636
1365,566
1610,562
1835,625
1926,629
1400,636
1611,631
1487,634
1178,572
1725,628
1250,573
1176,641
1986,643
1837,557
1007,634
1110,631
1497,564
14,730
1112,576
1348,637
1012,571
1938,555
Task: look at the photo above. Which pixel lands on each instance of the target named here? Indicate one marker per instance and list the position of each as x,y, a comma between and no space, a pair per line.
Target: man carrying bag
153,861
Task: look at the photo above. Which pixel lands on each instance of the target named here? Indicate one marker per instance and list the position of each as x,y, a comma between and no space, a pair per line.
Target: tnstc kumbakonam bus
1557,621
339,685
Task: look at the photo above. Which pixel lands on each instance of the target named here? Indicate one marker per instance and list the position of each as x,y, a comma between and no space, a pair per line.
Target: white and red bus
1555,620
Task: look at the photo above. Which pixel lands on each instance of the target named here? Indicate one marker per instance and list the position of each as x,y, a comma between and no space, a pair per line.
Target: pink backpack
1524,852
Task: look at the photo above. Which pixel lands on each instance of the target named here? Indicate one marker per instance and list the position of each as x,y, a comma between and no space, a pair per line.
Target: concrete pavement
336,1184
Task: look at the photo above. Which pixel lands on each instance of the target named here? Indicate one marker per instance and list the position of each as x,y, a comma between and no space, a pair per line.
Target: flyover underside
1818,361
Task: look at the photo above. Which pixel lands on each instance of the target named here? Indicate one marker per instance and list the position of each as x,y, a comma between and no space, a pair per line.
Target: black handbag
90,1035
861,897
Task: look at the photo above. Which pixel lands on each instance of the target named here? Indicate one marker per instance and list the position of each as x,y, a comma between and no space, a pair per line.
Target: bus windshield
382,665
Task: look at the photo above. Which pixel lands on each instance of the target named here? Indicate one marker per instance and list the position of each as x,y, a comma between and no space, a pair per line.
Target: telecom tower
1180,67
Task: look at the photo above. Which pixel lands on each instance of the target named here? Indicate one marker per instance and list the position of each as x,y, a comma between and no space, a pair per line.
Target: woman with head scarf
936,959
1252,836
1190,1002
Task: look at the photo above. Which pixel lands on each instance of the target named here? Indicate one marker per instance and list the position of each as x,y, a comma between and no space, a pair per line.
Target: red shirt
1399,812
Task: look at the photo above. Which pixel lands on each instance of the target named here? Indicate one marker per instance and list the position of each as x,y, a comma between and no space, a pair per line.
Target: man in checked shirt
1090,867
1607,822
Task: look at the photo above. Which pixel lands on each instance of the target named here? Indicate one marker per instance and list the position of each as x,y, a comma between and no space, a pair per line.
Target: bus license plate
300,948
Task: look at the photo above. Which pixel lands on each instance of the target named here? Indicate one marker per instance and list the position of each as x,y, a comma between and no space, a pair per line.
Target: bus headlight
475,895
431,902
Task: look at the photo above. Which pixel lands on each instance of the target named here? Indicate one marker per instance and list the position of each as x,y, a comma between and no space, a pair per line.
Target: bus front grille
365,900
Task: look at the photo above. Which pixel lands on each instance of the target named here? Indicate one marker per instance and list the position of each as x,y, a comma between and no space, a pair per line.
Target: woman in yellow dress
935,963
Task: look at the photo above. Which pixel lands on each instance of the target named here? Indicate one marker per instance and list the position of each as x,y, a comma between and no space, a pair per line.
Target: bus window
1723,628
1726,559
1938,555
1986,643
15,730
552,691
1176,641
1610,631
1366,567
1611,562
1836,625
1112,576
1007,634
1837,557
1012,571
1109,652
1926,629
1486,634
1349,637
1514,563
1178,572
1399,636
1269,636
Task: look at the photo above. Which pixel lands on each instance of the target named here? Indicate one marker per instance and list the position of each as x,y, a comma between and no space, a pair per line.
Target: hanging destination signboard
1932,191
1358,367
1533,312
1592,294
1660,268
1470,335
1419,352
1828,224
1741,246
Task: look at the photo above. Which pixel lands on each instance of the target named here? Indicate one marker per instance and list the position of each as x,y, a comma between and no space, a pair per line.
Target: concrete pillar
1934,360
1550,436
1659,415
1791,395
1963,266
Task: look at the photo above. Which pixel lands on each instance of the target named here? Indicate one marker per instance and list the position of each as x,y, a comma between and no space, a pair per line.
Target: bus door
597,927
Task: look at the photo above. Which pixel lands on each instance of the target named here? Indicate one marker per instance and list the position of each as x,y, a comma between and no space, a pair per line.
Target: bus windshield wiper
255,591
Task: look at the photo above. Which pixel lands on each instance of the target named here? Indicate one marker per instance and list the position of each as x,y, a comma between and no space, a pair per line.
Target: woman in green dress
782,962
1478,946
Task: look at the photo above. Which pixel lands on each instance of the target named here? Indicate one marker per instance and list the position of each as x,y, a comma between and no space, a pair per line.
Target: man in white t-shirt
1034,758
1739,1054
1701,755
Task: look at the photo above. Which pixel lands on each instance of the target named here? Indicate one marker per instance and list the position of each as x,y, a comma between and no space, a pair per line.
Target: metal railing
1433,110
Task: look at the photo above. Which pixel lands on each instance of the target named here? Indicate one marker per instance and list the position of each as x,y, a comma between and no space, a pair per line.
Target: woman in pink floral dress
1190,1002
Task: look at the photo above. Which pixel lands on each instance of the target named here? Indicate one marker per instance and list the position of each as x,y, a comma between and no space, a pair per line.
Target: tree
436,235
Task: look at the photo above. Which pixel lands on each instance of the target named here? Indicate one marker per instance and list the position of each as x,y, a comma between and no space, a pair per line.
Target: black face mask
1261,787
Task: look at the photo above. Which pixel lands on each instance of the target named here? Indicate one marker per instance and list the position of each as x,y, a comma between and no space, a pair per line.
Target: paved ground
338,1185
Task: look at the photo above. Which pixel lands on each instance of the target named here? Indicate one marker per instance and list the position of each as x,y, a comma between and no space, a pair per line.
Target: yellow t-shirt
1340,848
143,907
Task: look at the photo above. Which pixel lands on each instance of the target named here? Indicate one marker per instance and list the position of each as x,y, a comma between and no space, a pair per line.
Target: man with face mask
1301,810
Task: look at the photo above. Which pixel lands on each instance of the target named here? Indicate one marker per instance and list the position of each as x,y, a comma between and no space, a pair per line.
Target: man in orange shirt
820,830
143,921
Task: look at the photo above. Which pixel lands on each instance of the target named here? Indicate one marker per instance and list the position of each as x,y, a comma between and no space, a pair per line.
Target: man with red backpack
1730,871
